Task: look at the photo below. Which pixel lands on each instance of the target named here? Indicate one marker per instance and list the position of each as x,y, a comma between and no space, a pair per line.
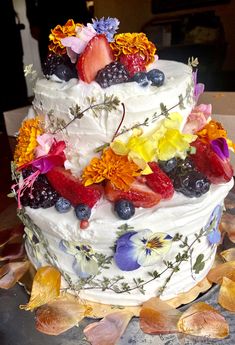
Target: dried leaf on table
226,296
203,320
109,330
10,273
59,315
158,317
100,310
227,225
8,235
217,273
229,254
46,287
12,251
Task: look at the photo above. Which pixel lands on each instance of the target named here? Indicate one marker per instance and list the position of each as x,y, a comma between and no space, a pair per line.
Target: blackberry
43,195
191,184
182,167
61,66
113,73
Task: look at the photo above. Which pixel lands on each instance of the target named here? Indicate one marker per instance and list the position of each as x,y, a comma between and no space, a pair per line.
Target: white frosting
91,131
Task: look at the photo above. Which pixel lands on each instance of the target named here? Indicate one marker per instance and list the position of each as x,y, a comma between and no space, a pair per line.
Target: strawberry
96,56
134,63
216,169
72,189
159,182
140,194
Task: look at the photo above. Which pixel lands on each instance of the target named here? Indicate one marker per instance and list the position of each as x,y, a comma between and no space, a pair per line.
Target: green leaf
199,263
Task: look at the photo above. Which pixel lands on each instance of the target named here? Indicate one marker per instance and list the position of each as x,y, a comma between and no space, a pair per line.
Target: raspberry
113,73
133,62
159,182
60,65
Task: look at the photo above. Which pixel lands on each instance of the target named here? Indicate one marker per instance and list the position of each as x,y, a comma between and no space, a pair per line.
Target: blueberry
62,205
156,77
124,208
169,165
83,211
141,79
65,72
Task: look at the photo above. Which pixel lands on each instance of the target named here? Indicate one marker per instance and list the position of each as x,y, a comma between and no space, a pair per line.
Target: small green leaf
199,263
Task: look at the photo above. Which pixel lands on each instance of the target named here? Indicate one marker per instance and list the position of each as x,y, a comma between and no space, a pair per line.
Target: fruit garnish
140,194
114,73
206,160
156,77
72,189
62,205
141,79
159,182
83,211
124,209
192,184
96,56
59,65
133,62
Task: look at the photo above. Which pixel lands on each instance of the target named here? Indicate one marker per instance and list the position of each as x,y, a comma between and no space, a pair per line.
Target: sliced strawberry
134,63
159,182
96,56
216,169
140,194
72,188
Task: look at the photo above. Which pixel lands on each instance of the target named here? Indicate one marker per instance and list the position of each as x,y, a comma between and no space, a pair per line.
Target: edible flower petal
211,131
143,248
198,87
107,26
220,147
226,296
197,119
212,227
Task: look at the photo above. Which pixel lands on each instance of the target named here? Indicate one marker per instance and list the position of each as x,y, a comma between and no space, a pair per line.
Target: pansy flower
85,263
142,248
212,227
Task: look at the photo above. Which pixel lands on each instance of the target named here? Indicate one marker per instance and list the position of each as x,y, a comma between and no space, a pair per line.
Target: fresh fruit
60,65
192,184
84,224
62,205
83,211
216,169
156,77
124,208
159,182
42,194
96,56
141,79
183,166
169,165
140,194
72,189
133,62
114,73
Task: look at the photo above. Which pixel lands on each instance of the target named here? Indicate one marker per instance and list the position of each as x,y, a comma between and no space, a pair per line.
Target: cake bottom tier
190,226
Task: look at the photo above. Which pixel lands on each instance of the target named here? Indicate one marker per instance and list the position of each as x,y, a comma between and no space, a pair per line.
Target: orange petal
60,315
227,269
12,251
7,235
229,254
46,287
203,320
11,273
158,317
109,330
226,296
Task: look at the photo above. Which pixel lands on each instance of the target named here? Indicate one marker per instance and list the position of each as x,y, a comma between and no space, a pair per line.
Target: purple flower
212,227
198,87
220,147
108,26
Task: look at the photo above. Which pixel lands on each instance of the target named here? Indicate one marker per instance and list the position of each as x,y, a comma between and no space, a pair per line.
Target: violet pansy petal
214,237
125,257
220,147
124,239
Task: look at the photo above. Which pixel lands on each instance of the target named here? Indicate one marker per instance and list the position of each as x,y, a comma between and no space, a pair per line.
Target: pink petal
109,330
74,43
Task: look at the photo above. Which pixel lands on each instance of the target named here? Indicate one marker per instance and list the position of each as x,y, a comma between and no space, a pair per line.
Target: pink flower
198,118
45,142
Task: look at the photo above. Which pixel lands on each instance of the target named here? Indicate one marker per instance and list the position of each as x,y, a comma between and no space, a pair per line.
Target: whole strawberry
159,182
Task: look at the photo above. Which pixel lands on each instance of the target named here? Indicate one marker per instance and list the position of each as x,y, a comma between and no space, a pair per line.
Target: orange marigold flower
131,43
27,141
118,169
59,32
211,131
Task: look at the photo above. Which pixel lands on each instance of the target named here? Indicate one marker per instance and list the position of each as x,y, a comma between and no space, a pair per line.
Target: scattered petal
46,287
229,254
217,273
12,251
59,315
226,296
158,317
11,273
203,320
109,330
7,235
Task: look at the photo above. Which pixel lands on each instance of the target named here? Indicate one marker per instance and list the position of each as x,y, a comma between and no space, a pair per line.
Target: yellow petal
226,296
229,254
119,148
227,269
203,320
158,317
46,287
60,315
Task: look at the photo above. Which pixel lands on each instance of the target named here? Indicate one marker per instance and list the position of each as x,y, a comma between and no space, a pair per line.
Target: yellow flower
131,43
116,168
27,141
59,32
